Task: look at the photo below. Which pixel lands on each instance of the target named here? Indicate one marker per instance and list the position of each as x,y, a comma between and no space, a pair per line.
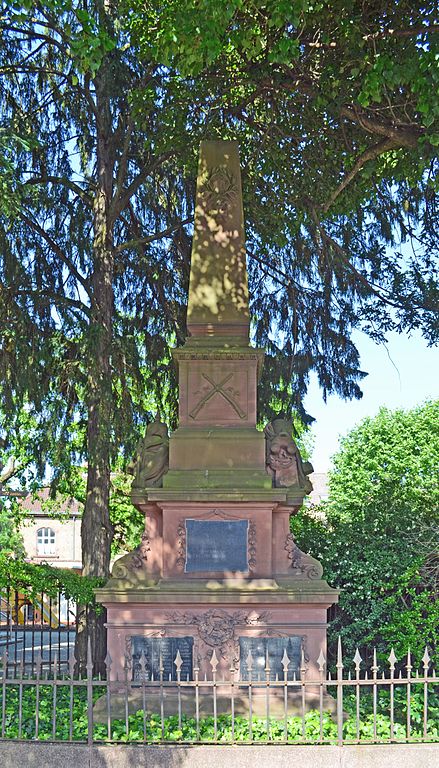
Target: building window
45,541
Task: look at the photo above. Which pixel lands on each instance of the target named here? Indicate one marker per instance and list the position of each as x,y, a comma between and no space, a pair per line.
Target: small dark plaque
216,545
276,647
168,647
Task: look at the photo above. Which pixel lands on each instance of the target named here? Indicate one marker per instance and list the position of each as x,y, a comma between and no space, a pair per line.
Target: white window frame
46,538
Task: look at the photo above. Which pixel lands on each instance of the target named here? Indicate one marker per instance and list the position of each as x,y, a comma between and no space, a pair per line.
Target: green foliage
11,540
32,580
383,501
172,731
128,522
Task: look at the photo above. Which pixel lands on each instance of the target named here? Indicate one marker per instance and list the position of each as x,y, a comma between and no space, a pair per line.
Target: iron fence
34,627
310,706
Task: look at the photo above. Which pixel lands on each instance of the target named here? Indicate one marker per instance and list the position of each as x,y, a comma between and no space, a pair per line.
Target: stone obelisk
217,568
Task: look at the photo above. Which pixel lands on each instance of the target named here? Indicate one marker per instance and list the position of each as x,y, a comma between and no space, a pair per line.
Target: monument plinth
217,567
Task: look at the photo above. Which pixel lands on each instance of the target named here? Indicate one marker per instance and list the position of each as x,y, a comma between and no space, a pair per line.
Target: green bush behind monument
378,536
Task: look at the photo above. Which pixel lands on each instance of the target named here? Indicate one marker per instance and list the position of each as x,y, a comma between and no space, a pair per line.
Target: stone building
50,539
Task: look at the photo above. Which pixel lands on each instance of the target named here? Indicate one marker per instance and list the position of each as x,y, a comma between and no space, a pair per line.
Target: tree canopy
378,539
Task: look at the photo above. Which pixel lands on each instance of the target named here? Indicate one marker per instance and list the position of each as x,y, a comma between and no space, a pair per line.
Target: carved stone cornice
193,351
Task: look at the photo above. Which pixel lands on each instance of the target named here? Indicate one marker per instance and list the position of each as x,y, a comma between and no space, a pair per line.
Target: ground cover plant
145,726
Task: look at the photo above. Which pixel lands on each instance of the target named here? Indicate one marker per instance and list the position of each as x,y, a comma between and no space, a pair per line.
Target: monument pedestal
217,577
228,579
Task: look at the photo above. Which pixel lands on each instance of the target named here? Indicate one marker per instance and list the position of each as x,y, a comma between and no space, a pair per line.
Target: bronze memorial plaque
165,647
271,648
216,545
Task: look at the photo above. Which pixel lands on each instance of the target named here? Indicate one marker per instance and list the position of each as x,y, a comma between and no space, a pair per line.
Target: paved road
28,644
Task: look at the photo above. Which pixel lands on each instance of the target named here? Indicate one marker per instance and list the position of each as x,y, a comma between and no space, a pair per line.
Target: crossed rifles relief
217,388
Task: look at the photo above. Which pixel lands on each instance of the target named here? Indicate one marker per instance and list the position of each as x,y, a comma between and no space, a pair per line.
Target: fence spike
285,661
321,661
426,660
267,668
392,661
349,674
366,676
108,662
329,675
55,665
214,661
383,675
357,660
374,666
339,664
409,664
178,661
142,663
400,674
302,664
89,664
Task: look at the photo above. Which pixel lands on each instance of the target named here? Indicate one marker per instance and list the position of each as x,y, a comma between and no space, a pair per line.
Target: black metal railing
305,706
40,627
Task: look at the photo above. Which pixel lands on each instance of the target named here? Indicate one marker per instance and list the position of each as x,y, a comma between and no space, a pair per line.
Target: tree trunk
96,529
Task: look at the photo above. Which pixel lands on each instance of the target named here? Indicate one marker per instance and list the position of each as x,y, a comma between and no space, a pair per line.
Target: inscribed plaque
216,545
167,647
274,648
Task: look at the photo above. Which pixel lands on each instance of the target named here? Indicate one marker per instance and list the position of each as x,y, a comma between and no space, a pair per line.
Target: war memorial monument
217,570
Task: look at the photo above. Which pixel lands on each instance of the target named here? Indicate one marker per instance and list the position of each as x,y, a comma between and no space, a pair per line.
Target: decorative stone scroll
303,566
129,567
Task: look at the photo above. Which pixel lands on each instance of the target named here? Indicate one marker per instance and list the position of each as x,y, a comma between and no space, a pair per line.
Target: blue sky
403,374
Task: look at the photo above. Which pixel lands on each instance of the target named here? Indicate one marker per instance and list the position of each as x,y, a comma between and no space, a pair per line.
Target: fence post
339,666
89,668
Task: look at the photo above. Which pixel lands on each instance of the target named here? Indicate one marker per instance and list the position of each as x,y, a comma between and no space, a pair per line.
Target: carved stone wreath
216,628
219,192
